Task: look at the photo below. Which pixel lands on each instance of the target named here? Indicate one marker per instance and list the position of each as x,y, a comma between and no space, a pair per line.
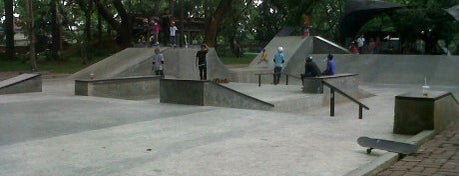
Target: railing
271,73
332,99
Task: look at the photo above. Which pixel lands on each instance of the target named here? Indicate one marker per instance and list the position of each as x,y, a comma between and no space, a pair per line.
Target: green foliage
231,60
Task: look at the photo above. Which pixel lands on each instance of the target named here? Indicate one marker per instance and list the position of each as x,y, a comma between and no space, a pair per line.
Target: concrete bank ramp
179,63
207,93
23,83
119,64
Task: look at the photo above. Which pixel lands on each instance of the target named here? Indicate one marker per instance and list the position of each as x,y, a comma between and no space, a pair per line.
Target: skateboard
391,146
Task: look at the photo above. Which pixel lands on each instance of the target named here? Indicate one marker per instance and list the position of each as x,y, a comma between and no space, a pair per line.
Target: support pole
332,102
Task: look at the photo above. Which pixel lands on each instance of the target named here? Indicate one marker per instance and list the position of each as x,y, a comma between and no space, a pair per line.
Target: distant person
330,66
155,32
371,46
354,48
158,62
201,62
263,57
278,63
172,33
360,43
377,45
310,68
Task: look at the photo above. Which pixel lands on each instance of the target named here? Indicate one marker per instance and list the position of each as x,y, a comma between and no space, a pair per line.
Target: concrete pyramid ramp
296,49
291,45
179,63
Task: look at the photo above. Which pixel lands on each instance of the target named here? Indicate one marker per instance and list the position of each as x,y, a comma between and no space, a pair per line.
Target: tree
122,24
30,28
210,37
9,29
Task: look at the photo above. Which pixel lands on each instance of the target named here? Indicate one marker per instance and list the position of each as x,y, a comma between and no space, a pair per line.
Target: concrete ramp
180,63
324,46
296,49
291,45
128,62
206,93
23,83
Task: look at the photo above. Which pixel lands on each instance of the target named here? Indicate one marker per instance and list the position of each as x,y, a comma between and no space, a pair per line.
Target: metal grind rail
332,99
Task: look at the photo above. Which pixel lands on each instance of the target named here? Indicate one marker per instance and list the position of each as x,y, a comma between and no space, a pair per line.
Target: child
158,62
172,34
263,57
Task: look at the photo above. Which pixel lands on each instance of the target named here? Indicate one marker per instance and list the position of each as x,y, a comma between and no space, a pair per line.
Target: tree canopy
63,25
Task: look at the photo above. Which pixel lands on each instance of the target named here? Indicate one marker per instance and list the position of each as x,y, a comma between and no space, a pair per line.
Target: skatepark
55,132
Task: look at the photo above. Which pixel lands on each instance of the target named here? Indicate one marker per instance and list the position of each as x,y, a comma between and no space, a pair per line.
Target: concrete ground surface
57,133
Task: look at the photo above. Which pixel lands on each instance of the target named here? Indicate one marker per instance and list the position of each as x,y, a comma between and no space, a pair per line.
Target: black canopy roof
359,12
454,12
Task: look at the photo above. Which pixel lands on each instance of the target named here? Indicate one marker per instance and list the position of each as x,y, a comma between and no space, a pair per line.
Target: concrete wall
397,69
23,83
131,88
206,93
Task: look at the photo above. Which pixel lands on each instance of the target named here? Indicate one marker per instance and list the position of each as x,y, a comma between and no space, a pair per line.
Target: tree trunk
210,37
9,29
56,37
31,29
87,8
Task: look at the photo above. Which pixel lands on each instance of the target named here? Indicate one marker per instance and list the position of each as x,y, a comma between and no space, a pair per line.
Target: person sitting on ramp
310,68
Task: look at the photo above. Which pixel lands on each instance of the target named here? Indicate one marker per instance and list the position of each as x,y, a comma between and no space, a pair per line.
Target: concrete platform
56,133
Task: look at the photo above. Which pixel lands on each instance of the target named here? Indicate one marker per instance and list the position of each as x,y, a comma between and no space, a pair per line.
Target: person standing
201,62
331,70
278,63
158,62
172,32
360,43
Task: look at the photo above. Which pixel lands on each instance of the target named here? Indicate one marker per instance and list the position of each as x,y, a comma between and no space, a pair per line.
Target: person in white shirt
360,43
172,34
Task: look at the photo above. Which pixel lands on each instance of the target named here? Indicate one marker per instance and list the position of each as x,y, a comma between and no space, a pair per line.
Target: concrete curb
388,159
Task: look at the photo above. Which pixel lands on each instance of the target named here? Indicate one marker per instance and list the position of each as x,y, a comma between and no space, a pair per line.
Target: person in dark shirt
201,62
310,68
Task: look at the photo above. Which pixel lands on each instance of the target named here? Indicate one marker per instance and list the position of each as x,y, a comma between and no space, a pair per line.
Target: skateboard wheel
368,151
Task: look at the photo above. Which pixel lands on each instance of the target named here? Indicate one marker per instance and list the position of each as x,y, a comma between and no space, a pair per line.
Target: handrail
332,99
271,73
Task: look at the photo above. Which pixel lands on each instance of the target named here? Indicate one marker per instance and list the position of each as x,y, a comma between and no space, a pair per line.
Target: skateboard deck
391,146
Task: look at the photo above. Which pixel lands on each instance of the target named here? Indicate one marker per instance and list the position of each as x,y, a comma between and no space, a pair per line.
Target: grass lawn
245,59
72,65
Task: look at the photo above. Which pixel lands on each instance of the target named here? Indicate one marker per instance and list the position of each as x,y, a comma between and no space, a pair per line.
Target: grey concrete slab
54,133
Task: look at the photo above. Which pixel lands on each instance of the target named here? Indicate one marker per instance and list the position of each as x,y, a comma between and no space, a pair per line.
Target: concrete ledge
415,112
23,83
386,160
131,88
345,81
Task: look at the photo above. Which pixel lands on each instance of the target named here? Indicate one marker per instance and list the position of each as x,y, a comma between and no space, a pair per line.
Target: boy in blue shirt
278,61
